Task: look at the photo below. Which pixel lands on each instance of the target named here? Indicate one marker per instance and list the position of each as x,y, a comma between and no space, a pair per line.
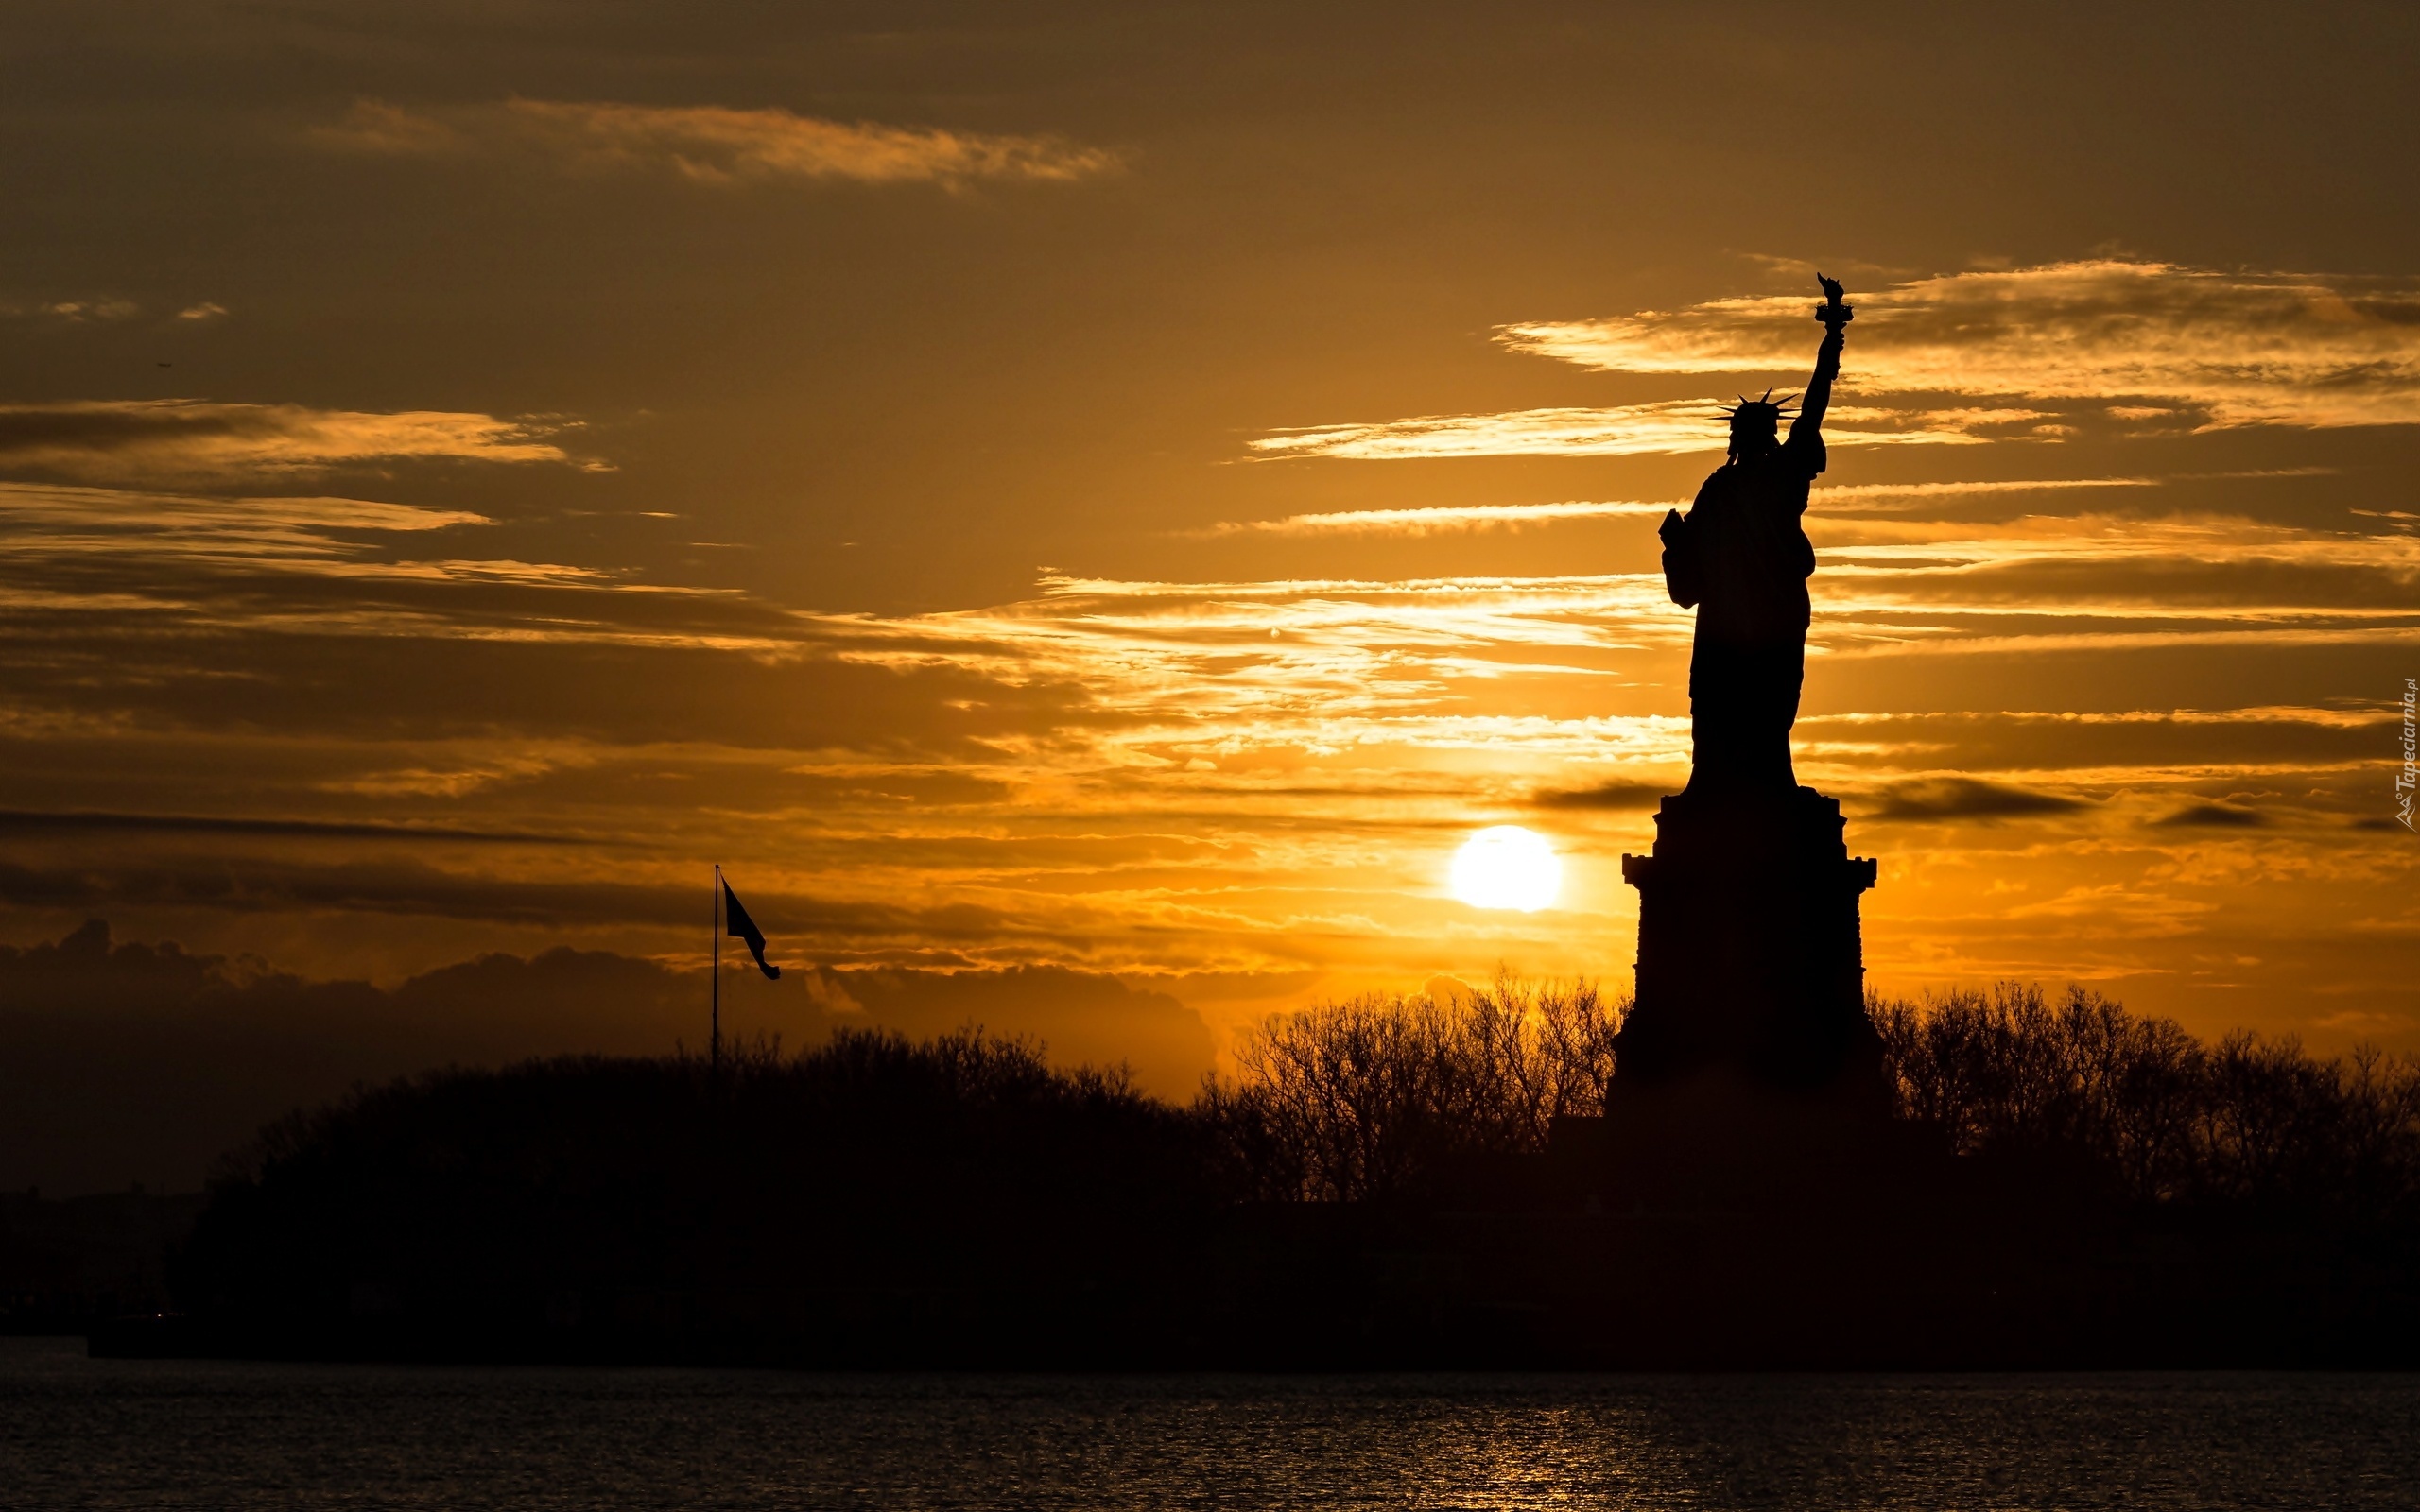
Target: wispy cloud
1440,519
105,309
1623,430
715,144
39,518
152,564
166,440
1862,497
389,131
34,821
188,524
1964,798
2152,340
76,311
2213,569
1254,776
1248,776
2212,817
1617,797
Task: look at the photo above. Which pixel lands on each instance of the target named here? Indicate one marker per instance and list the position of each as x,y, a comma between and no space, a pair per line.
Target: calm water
78,1432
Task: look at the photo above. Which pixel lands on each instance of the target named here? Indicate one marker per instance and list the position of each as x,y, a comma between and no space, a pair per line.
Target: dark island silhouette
1396,1183
1752,1163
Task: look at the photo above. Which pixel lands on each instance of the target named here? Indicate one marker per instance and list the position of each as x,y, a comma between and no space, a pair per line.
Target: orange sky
1131,488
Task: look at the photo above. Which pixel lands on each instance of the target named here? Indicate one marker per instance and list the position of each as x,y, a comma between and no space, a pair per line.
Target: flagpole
714,1051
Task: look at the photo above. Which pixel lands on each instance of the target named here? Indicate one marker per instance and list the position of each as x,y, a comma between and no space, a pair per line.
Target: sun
1505,866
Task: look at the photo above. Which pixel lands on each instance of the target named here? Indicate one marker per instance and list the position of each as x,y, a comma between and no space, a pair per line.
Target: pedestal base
1748,1067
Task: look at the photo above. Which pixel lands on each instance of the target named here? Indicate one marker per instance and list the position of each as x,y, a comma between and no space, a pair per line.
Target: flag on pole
736,924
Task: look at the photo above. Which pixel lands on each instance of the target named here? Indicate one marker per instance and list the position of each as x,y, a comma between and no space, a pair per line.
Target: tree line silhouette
1373,1098
1376,1184
2151,1114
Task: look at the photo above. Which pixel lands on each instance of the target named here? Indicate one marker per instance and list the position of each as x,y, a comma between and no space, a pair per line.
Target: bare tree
1367,1098
2162,1117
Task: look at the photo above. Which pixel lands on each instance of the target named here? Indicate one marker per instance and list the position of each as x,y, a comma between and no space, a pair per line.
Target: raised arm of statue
1818,398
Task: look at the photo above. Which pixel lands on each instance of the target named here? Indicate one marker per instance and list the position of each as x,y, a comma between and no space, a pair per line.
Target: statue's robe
1741,557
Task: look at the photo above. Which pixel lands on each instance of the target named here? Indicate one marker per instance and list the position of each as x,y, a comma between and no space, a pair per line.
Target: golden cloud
44,517
2223,349
1439,519
2182,574
208,564
715,144
1146,776
1623,430
110,440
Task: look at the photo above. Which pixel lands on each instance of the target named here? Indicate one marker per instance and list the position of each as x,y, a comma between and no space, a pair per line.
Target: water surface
79,1432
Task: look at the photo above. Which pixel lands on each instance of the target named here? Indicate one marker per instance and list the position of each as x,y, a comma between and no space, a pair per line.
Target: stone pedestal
1748,1067
1749,952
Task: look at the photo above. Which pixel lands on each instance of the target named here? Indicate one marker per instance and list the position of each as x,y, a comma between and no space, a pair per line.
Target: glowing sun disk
1505,866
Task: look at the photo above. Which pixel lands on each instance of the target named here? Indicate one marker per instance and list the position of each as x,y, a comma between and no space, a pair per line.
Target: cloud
104,308
1887,583
1860,497
2368,1020
76,311
1612,796
31,821
221,880
1131,776
1965,798
2136,749
1624,430
116,440
2218,349
129,549
389,131
53,516
1440,518
2043,576
712,144
126,1062
2213,816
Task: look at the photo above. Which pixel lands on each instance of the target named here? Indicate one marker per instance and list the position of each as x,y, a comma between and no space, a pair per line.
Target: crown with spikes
1766,408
